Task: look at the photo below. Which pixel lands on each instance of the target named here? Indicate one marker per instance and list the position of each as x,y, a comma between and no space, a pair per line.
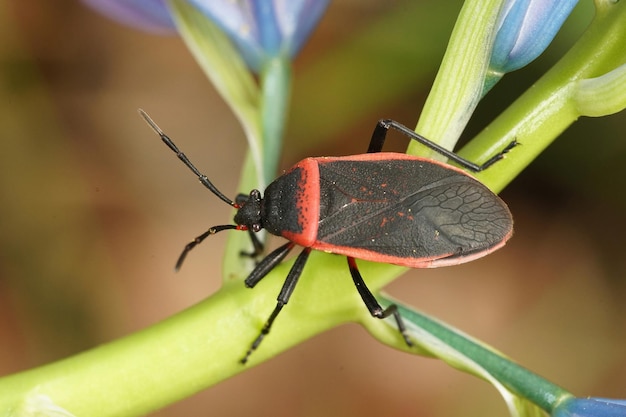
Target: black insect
379,206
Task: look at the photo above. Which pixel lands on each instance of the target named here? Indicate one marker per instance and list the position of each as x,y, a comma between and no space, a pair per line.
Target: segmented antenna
203,178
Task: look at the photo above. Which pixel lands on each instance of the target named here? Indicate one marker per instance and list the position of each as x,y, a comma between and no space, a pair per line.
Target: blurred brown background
94,211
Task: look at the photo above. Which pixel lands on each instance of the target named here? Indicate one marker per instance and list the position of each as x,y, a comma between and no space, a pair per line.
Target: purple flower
526,28
263,29
591,407
149,15
260,29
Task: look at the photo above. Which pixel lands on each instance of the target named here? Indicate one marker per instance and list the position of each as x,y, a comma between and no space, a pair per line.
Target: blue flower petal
263,29
260,29
298,18
591,407
512,18
149,15
236,19
270,36
527,27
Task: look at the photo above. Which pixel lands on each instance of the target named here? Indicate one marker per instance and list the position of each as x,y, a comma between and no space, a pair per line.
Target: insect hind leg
372,304
380,134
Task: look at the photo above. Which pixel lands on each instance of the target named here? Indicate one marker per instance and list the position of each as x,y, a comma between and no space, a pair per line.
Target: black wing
409,209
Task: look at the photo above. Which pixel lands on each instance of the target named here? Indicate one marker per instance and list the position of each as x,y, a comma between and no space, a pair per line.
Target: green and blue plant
246,49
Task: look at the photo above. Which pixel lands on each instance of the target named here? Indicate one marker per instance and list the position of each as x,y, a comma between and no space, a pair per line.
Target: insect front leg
372,304
213,230
257,246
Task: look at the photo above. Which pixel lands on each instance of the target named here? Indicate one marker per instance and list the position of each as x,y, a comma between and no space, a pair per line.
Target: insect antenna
203,178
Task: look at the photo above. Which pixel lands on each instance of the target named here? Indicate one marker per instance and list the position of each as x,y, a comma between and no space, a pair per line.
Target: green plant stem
274,107
459,83
541,114
202,345
190,351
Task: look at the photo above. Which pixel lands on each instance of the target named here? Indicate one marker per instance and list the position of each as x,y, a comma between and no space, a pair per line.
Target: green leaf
524,392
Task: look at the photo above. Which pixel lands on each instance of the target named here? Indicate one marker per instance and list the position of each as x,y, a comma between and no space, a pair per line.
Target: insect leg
267,264
257,246
372,304
283,296
213,230
383,126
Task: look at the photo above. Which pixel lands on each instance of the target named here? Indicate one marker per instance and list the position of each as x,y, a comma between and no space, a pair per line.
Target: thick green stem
134,375
275,94
459,83
188,352
541,114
